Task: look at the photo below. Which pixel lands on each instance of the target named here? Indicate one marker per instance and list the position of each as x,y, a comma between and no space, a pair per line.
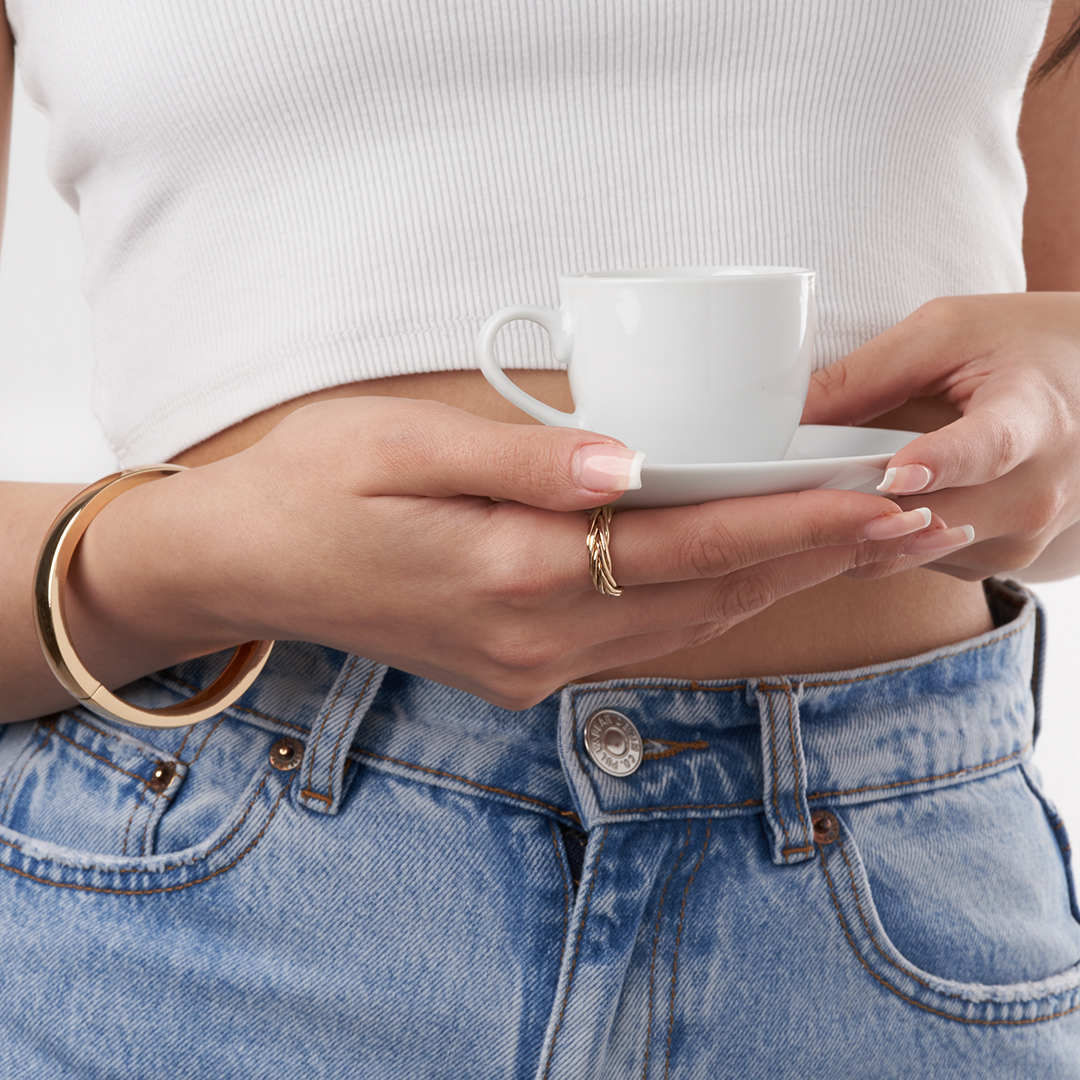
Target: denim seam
326,716
150,811
206,738
678,940
183,741
166,888
924,779
104,760
96,730
671,748
178,866
873,937
807,846
656,943
472,783
692,686
138,801
50,727
565,885
573,962
918,1004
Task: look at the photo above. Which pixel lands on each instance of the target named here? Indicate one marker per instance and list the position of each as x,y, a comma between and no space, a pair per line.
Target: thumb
427,448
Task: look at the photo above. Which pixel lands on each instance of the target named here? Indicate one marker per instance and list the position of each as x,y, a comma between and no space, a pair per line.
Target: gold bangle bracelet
50,619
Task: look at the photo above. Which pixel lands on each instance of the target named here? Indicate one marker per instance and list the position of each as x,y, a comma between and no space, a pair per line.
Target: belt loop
787,812
322,770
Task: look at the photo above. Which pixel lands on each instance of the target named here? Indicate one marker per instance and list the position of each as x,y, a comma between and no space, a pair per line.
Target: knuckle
1044,508
741,596
1017,553
940,311
710,549
1006,451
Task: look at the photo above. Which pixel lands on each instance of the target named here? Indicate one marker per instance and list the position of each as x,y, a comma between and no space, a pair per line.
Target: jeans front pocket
960,901
73,781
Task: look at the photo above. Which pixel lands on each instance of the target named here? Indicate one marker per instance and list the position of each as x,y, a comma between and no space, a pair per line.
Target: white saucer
847,458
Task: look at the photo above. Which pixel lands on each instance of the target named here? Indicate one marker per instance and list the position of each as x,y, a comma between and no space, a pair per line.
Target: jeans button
613,742
286,753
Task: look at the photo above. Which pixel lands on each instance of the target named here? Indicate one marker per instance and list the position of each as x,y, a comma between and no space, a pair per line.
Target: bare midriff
839,624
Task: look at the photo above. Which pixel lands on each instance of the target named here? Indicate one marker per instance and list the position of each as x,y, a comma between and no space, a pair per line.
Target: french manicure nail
608,468
929,543
906,480
890,526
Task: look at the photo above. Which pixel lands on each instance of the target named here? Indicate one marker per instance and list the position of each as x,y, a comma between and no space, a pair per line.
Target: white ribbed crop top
283,195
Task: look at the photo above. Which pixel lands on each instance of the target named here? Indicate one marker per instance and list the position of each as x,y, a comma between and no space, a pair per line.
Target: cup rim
689,273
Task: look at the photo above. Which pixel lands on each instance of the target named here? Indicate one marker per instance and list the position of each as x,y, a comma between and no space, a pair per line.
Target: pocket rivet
286,753
162,776
826,827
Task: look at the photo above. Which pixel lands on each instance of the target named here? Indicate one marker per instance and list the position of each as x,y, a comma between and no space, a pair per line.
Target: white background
48,431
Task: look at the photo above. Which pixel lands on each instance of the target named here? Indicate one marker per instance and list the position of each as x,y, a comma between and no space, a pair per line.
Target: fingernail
906,480
891,526
608,468
939,540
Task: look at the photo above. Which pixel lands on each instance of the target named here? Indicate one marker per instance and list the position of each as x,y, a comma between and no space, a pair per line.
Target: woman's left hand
1010,465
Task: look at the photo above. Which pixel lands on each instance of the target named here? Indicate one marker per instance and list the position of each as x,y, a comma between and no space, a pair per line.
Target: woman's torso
283,200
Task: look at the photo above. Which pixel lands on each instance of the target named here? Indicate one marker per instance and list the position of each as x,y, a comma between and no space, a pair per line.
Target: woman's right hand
368,524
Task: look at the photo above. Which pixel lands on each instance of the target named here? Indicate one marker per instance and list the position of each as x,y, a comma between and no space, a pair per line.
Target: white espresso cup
690,365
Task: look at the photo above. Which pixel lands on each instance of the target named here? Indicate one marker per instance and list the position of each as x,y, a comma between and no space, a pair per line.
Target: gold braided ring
598,541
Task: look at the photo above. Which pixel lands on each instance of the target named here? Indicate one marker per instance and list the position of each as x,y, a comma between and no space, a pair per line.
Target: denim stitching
655,944
326,717
689,806
178,866
183,741
328,797
138,800
918,1004
98,757
775,767
672,748
146,824
678,940
577,948
51,727
923,779
565,885
98,731
166,888
873,938
163,678
472,783
795,762
202,746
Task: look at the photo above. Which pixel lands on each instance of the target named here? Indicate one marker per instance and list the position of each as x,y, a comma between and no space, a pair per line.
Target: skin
362,517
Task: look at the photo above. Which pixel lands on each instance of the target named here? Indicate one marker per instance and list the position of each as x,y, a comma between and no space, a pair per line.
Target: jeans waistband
778,746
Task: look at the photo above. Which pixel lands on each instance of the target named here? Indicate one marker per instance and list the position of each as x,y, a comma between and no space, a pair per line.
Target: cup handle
554,323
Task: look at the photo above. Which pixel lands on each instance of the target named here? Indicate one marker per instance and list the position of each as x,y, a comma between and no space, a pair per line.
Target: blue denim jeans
842,875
